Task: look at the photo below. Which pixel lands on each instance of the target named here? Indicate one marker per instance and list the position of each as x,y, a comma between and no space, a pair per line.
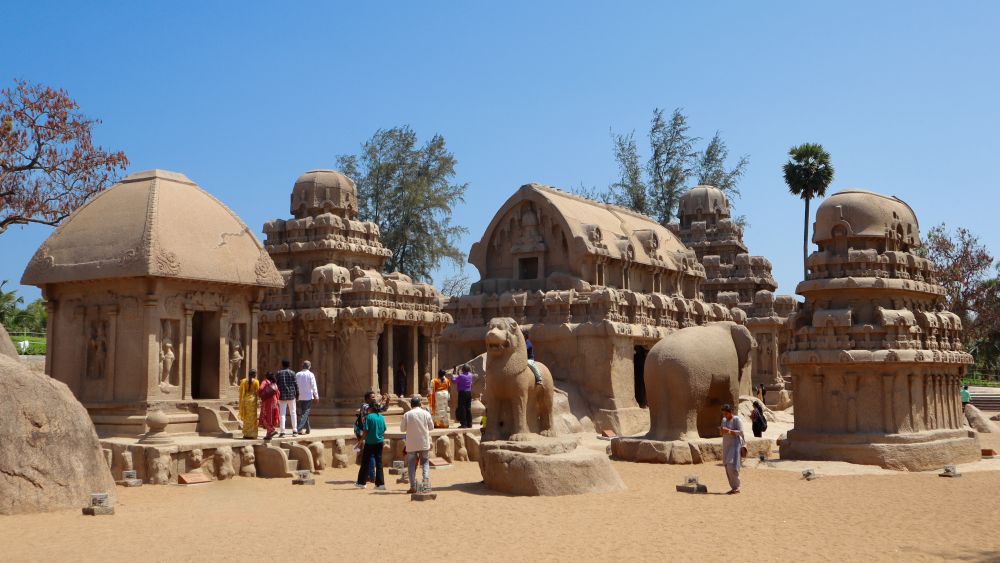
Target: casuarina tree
808,173
408,191
49,164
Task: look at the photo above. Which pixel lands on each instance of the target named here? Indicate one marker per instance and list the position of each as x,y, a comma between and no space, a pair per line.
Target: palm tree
8,303
808,173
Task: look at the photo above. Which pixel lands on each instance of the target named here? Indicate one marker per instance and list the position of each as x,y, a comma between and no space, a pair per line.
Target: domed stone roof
704,200
866,214
324,191
153,223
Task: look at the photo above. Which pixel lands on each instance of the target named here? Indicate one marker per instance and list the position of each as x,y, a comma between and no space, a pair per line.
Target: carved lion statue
516,407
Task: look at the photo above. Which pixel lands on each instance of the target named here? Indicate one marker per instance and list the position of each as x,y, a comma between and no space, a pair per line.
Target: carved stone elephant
690,374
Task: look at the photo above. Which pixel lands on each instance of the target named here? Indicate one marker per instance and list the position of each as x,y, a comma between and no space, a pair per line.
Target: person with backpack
758,423
268,393
373,438
359,425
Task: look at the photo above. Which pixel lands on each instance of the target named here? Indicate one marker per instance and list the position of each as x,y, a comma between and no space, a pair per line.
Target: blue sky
243,97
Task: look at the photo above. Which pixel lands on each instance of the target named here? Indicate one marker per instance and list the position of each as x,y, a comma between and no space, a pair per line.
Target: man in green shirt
966,398
373,437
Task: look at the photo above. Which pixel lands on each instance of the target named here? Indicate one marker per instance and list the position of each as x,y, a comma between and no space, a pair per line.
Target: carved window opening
527,268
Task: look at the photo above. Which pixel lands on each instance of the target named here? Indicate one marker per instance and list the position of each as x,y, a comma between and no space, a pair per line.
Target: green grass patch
36,345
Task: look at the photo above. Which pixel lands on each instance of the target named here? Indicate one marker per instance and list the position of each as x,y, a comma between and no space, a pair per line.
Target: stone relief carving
235,354
167,356
224,463
247,465
157,467
167,263
97,356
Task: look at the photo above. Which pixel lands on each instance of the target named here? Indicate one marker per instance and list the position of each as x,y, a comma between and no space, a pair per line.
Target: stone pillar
428,354
851,384
390,362
253,339
887,418
372,334
151,344
415,350
435,343
185,346
52,309
224,326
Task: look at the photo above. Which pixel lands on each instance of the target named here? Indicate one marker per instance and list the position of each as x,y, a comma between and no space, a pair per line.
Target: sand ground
779,517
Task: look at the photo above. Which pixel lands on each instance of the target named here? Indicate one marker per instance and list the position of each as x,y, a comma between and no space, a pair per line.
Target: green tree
407,190
629,191
9,300
711,167
671,162
808,173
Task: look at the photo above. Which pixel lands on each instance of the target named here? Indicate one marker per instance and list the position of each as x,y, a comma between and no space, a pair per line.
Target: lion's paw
520,437
550,433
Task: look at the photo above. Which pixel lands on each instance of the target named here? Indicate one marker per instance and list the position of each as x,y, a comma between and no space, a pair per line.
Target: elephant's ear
744,343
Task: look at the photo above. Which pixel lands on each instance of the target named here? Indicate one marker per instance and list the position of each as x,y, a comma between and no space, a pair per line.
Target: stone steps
986,402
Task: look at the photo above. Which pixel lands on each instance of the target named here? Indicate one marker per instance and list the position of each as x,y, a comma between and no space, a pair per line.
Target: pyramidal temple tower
876,360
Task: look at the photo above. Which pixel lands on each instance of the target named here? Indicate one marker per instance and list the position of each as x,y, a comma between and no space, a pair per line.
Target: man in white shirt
417,424
307,394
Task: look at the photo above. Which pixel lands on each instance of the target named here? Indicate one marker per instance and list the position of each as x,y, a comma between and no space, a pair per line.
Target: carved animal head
505,348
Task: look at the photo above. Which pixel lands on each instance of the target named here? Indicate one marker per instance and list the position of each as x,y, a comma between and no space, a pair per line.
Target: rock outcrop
7,345
50,458
979,421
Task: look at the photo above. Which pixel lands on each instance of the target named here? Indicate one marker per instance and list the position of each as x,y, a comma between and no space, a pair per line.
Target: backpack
759,418
359,425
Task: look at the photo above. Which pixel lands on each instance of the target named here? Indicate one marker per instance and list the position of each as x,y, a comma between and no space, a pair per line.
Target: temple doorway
639,366
205,355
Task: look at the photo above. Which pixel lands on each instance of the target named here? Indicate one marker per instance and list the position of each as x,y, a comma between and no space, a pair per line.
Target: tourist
732,447
399,383
439,399
372,437
268,394
359,424
249,401
531,358
308,393
965,396
417,426
757,421
463,383
761,391
288,390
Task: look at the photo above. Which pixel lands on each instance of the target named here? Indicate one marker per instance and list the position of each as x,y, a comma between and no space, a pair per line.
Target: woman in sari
439,392
268,394
249,402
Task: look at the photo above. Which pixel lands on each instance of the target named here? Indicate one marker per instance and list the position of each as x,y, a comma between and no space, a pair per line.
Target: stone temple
337,309
875,359
153,290
597,285
738,280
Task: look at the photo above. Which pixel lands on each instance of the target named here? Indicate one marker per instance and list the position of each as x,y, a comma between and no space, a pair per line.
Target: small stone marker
989,453
809,474
130,479
304,478
439,463
193,478
608,433
424,492
397,468
691,485
99,505
949,471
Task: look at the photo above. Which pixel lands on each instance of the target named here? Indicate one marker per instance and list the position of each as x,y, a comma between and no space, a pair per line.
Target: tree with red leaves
966,271
49,165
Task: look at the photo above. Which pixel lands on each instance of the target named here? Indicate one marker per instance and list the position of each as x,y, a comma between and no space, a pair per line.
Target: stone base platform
919,451
681,452
546,467
220,457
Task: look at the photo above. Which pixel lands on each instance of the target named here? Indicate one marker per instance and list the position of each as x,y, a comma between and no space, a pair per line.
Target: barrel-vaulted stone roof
595,228
154,223
866,214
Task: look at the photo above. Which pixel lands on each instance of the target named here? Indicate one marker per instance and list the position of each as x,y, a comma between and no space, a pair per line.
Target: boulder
995,417
546,467
979,422
50,458
746,407
7,347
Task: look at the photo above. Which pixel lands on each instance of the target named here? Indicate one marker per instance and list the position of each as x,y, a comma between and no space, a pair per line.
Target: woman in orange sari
268,394
439,392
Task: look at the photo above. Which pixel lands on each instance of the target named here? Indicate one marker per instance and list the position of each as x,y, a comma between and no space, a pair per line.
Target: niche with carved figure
168,354
237,352
98,349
